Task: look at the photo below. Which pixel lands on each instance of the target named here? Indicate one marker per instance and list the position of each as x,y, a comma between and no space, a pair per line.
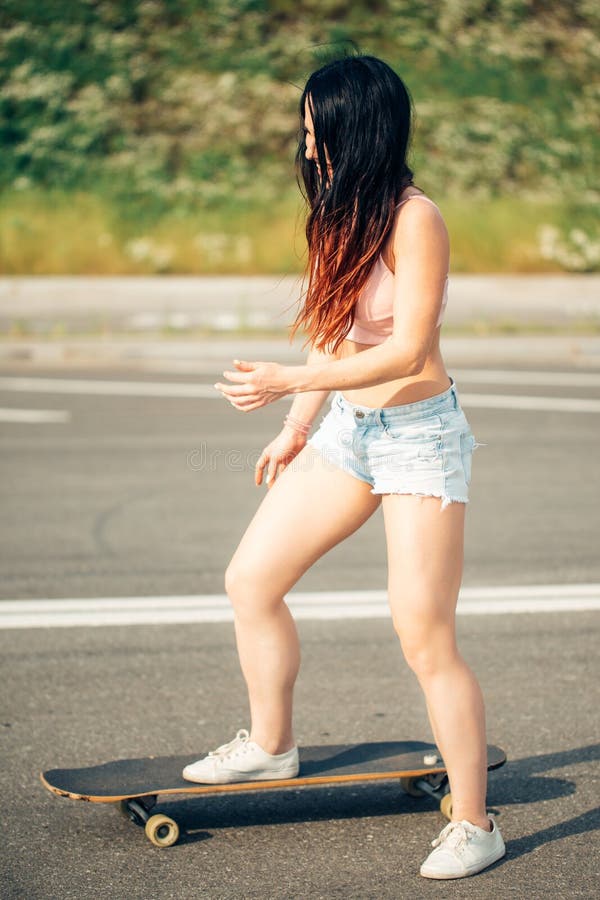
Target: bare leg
310,508
425,557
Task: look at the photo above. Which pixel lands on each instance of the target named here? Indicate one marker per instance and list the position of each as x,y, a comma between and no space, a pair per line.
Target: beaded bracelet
296,424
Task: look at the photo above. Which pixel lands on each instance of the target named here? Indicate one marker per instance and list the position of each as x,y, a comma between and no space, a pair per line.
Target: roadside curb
202,354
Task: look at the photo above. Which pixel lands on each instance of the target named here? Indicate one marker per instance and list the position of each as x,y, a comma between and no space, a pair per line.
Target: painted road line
528,377
104,387
188,609
33,416
538,404
208,391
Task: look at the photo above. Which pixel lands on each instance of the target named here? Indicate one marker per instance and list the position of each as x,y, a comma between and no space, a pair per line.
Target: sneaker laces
456,835
242,737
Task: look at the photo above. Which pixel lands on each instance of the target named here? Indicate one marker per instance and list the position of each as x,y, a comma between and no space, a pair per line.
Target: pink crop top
373,317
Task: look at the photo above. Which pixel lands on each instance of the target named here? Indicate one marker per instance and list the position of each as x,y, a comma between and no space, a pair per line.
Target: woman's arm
242,395
383,362
306,405
292,438
421,261
421,251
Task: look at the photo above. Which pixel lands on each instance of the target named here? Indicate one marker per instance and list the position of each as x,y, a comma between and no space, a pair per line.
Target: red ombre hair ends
361,112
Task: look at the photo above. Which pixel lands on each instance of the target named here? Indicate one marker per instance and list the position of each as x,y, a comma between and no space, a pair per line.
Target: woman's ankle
273,746
483,822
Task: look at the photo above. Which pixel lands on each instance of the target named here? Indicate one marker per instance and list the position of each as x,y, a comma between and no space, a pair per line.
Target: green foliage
191,105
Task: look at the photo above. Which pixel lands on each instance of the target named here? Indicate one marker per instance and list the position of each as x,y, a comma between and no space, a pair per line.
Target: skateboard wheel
409,787
446,806
161,830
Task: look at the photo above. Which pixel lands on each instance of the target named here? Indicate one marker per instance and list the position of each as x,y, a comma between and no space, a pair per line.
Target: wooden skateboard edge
246,786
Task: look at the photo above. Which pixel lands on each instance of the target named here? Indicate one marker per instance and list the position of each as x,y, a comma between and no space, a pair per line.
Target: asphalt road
107,503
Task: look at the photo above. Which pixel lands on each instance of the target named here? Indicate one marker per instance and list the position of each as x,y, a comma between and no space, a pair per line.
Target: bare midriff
432,380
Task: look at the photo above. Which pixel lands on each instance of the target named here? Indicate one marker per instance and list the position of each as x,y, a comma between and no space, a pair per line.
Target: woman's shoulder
416,196
416,208
417,211
422,218
418,222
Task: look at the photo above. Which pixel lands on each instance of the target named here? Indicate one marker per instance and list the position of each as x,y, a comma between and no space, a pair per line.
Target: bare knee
247,587
241,581
428,647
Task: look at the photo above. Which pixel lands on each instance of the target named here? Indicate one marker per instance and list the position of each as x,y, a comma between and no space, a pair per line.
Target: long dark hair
361,111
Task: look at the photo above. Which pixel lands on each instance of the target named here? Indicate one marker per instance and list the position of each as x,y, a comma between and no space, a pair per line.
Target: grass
499,236
57,233
23,330
83,234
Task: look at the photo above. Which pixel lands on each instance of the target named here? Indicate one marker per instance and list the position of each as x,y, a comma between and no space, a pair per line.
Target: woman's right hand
279,454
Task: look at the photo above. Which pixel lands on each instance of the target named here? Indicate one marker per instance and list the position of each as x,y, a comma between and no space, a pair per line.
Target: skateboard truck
434,785
161,830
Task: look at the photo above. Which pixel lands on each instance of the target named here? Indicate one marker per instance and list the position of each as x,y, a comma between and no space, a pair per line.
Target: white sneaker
242,760
463,849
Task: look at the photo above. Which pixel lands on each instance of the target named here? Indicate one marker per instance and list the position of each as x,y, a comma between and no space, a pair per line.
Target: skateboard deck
136,784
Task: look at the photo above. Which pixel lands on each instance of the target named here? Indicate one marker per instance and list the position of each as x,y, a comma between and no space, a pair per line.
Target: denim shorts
423,448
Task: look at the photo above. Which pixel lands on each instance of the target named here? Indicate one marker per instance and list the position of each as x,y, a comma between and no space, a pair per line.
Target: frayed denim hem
446,500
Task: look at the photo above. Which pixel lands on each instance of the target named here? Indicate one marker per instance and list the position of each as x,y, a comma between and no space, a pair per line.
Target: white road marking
521,401
527,377
32,416
119,388
98,611
209,392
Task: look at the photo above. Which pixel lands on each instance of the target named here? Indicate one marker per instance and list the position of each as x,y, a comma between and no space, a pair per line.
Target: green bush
182,107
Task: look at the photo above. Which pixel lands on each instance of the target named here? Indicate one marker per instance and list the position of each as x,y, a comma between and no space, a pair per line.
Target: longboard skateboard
135,784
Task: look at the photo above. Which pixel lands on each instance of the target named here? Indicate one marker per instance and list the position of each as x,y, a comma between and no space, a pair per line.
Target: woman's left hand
256,384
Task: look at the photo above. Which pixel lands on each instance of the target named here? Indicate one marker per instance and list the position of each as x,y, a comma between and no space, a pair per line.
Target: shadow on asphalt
524,787
519,782
586,822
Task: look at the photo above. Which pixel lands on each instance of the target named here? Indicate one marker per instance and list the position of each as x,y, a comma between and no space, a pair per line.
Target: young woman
395,435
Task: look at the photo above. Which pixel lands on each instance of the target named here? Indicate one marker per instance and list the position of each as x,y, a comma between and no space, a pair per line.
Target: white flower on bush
548,237
145,250
213,246
576,250
139,249
218,247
